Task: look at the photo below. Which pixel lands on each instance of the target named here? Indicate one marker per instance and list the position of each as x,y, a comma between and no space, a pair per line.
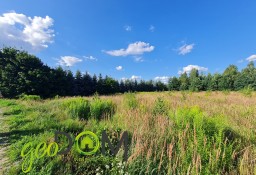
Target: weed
160,107
101,108
77,108
130,100
247,91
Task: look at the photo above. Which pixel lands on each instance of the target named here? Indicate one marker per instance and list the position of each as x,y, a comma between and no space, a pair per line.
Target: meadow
169,132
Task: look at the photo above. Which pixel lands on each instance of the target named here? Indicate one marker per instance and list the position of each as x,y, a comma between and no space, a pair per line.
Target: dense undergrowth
170,133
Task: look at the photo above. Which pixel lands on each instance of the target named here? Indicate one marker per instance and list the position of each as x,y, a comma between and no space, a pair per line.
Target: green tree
87,84
195,81
246,78
79,86
228,78
184,81
174,84
23,73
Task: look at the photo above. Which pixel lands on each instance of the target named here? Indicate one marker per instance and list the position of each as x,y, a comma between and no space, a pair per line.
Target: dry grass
179,142
237,110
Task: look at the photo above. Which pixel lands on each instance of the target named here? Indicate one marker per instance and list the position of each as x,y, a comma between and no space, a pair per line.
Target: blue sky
133,39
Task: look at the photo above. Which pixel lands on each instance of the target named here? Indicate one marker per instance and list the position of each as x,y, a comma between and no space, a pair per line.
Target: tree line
23,73
231,79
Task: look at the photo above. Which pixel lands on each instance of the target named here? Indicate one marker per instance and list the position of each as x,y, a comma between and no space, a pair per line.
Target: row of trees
22,73
230,79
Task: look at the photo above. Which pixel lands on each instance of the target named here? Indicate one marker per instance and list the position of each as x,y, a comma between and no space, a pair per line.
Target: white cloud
124,79
163,79
138,59
91,58
185,49
31,33
251,58
188,69
119,68
69,60
135,77
152,28
137,48
128,28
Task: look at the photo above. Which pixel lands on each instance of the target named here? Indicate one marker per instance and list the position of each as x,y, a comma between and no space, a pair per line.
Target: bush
101,108
247,91
78,108
160,107
208,137
130,100
30,97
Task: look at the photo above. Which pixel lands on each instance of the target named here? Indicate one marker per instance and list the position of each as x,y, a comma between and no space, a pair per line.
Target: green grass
168,134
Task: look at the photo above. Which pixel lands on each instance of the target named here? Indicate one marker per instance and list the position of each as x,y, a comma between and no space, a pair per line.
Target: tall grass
130,100
180,133
100,109
77,108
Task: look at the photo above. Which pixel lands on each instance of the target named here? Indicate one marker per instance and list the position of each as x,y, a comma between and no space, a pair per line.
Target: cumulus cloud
69,60
188,69
133,78
128,28
31,33
151,28
185,49
137,48
124,79
90,58
163,79
119,68
251,58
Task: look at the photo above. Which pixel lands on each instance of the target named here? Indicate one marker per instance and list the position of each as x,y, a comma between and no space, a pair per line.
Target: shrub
160,107
78,108
247,91
30,97
209,137
14,110
130,100
101,108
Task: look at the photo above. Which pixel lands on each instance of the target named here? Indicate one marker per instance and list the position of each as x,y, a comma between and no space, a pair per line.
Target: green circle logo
87,143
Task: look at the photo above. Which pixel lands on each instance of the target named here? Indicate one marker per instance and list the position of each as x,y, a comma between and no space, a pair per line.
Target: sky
140,39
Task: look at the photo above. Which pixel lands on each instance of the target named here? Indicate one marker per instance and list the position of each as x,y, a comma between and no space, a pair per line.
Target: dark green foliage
229,77
23,73
174,84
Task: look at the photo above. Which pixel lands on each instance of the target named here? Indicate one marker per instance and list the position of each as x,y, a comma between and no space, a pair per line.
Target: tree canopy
23,73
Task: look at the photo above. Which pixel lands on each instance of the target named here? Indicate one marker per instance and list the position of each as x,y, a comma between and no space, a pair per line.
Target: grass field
169,132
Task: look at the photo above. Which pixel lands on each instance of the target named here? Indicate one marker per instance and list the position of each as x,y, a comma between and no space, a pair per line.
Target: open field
169,132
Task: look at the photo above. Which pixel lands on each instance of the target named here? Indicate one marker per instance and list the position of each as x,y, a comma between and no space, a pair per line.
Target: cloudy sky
142,39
